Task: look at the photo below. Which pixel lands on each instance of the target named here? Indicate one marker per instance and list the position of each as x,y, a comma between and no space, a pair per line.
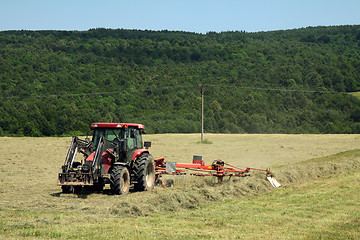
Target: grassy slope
32,207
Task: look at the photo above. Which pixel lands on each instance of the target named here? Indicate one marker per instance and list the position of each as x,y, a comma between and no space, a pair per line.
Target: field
255,150
320,175
356,94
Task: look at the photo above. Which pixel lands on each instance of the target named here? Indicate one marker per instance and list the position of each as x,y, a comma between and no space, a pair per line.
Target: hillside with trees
55,83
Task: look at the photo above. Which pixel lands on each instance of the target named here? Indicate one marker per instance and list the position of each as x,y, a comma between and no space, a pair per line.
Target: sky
199,16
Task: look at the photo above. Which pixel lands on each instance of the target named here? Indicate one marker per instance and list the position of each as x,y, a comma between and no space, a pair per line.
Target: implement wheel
120,180
144,172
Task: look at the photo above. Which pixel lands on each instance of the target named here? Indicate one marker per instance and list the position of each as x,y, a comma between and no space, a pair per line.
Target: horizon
202,16
167,30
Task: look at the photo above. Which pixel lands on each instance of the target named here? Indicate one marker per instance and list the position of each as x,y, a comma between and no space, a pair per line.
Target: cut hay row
193,192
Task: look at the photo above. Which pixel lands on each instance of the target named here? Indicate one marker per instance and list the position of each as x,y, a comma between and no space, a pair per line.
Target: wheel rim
125,181
150,175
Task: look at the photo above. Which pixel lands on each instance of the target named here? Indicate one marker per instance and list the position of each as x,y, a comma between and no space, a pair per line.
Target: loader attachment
89,172
77,144
75,179
73,173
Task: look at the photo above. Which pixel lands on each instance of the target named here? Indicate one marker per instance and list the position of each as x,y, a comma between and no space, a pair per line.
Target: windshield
132,137
110,134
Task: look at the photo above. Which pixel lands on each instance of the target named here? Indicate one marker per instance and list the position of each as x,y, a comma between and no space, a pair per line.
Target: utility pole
202,88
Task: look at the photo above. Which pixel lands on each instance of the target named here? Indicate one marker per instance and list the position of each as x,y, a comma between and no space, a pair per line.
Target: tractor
116,155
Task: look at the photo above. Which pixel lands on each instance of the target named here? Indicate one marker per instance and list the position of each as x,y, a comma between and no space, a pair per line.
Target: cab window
139,143
131,142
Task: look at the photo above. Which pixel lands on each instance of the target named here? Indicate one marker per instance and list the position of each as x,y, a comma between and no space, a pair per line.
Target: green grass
327,208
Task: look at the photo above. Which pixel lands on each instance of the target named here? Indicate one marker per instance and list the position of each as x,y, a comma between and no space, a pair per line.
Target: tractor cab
128,136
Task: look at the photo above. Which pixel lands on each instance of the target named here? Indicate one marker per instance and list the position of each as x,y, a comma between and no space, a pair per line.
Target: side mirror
147,145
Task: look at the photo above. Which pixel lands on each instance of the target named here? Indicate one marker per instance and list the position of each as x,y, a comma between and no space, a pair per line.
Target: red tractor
116,155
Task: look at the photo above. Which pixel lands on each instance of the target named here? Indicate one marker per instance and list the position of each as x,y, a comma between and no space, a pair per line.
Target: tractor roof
117,125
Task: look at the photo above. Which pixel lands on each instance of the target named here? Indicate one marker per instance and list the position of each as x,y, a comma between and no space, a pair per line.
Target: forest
56,83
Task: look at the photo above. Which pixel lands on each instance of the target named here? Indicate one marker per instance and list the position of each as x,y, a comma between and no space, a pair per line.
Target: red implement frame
218,169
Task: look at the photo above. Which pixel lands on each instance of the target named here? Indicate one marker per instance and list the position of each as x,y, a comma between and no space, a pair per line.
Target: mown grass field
319,199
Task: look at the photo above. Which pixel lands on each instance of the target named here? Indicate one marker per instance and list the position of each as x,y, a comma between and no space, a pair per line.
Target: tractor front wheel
120,180
71,189
66,189
144,173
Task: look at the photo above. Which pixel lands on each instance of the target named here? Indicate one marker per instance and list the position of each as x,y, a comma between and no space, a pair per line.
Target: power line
275,89
99,93
171,86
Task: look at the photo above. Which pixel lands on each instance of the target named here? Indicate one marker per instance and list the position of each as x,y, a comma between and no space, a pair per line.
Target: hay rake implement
218,169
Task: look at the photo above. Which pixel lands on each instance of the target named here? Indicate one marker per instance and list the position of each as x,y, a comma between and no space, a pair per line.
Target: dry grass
253,150
29,166
31,204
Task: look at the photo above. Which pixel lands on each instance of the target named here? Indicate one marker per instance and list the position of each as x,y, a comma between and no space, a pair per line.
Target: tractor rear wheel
144,173
120,180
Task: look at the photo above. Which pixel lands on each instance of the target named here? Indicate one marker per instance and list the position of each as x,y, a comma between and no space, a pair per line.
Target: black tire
66,189
95,188
170,183
144,173
71,189
119,180
77,189
76,164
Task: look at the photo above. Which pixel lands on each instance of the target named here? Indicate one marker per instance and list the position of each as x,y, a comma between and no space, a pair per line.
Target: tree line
55,83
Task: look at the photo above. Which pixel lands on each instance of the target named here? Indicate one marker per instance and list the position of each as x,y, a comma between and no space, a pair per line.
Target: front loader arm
112,148
76,145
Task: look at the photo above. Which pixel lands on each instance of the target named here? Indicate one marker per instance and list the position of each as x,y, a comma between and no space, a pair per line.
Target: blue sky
187,15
